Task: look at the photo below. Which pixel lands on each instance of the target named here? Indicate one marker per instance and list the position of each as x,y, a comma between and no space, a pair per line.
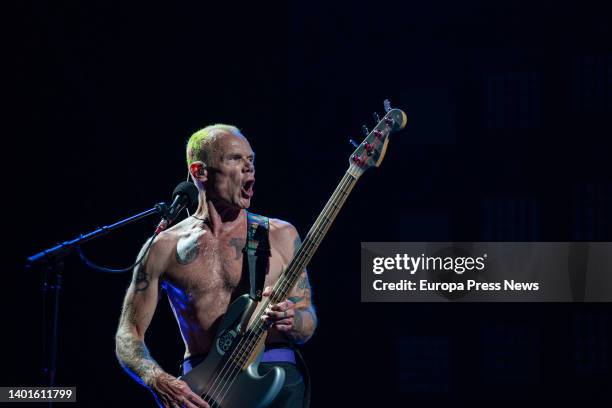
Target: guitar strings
319,229
244,348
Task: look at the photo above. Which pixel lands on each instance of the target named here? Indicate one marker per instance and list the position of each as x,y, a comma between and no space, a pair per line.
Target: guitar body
248,389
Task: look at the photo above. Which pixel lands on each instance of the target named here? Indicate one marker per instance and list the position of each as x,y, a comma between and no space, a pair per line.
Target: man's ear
198,171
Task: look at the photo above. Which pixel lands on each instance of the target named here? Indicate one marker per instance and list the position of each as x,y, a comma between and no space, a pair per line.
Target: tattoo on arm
303,283
132,353
303,288
135,358
296,245
238,244
141,279
303,328
298,323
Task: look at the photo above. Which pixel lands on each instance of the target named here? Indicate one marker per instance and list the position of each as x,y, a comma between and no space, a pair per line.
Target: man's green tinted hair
198,146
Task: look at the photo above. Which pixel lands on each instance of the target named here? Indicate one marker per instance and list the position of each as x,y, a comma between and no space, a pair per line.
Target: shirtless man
199,263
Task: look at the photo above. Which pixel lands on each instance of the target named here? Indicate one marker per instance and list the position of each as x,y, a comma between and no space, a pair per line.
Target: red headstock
371,152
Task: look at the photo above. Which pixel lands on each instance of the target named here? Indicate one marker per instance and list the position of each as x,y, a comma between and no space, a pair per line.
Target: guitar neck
317,232
368,154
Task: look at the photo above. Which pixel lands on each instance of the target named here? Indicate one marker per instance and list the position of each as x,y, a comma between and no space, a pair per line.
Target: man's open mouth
247,188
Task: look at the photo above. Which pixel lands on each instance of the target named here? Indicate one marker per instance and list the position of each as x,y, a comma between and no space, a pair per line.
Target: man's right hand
170,392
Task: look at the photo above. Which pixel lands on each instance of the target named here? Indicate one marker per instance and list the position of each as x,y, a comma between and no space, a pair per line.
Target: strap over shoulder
258,252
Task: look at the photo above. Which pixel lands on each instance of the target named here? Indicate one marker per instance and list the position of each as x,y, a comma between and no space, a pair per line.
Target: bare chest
208,270
205,264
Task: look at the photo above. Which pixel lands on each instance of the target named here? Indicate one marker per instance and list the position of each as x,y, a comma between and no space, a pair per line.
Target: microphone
185,194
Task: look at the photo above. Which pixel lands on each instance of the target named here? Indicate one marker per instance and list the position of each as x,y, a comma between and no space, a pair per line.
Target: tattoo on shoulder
187,250
238,244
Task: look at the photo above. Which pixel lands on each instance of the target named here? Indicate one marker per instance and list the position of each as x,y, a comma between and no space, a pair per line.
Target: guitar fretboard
368,154
313,239
291,274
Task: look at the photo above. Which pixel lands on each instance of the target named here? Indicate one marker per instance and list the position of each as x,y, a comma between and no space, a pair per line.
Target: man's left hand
280,315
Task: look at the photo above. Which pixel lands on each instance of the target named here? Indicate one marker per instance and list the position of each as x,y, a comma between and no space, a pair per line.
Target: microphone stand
52,260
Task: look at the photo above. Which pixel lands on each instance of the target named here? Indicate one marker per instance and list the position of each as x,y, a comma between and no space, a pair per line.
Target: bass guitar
229,377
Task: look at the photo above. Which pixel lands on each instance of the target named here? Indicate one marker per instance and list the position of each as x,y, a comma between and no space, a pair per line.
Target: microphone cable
99,268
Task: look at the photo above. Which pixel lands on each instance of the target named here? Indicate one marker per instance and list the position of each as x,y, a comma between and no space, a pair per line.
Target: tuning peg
376,117
354,143
387,104
365,130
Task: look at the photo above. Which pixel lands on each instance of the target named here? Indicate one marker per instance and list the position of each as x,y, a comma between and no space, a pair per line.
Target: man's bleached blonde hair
200,143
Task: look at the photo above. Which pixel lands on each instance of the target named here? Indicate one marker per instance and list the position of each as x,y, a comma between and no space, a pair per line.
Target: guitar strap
257,250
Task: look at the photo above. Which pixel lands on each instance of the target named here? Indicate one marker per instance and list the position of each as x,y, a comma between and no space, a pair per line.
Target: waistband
271,355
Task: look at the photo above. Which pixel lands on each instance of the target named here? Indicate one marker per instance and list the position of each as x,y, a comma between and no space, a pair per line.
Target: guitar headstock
371,152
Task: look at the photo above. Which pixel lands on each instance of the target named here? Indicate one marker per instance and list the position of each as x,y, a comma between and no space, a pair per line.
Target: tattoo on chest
187,250
238,244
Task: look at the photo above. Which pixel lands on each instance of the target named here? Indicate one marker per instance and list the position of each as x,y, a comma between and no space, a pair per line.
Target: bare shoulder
175,232
282,229
164,245
284,237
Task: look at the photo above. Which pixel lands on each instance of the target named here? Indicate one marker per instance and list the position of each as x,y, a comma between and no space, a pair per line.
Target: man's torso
205,274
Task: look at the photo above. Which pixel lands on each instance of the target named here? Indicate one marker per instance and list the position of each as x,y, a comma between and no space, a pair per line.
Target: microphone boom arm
66,247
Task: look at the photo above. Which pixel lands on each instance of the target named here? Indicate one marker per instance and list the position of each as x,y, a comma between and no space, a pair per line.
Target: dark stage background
508,104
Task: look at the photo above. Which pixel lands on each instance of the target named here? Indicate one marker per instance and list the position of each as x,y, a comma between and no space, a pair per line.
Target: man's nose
248,167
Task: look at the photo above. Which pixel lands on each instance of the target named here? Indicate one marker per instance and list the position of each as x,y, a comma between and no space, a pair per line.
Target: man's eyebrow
233,154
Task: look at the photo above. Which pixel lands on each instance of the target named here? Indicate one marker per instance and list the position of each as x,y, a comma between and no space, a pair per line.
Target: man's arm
138,309
305,321
295,317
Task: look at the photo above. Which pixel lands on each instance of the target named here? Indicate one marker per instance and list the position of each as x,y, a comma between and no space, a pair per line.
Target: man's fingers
283,327
196,398
165,401
280,315
188,404
284,322
174,401
267,291
282,306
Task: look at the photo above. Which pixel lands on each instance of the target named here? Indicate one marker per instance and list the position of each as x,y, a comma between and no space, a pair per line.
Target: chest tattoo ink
187,249
238,244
